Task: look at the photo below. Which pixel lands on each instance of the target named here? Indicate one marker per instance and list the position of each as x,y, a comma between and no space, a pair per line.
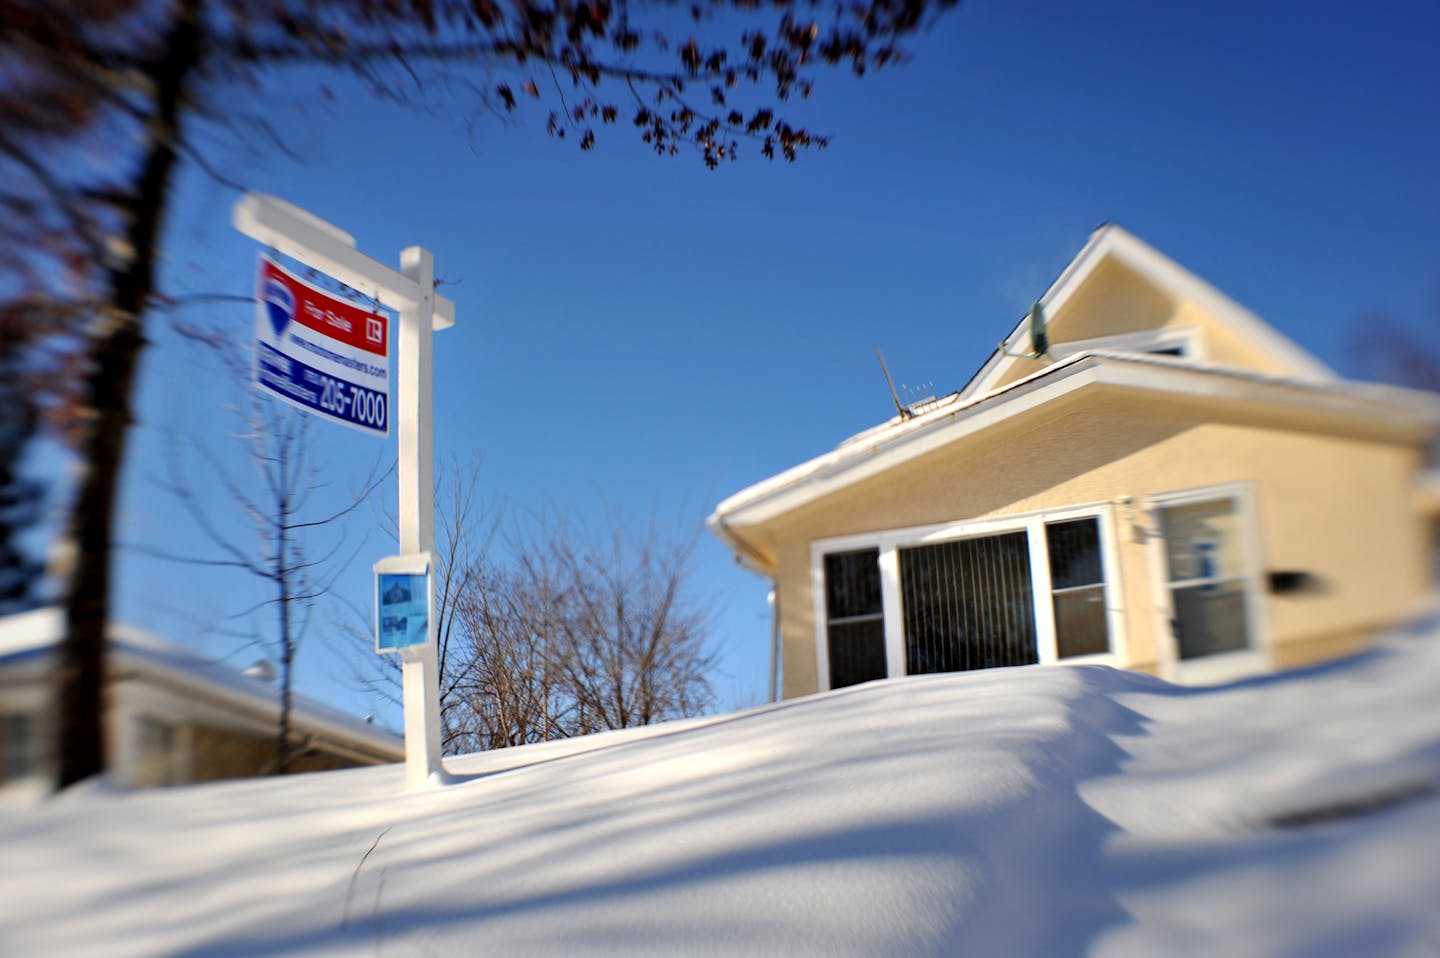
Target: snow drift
1033,811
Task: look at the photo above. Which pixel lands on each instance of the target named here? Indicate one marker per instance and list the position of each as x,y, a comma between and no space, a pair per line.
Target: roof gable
1120,287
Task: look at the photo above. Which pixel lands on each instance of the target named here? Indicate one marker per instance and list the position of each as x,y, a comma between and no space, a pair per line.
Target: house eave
1380,408
29,642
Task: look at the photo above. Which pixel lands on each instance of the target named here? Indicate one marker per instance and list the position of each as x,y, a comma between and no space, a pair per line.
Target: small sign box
404,601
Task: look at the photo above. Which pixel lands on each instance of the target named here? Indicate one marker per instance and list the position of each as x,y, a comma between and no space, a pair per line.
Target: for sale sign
321,353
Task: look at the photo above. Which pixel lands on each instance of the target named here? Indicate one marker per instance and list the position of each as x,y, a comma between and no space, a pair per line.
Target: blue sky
647,336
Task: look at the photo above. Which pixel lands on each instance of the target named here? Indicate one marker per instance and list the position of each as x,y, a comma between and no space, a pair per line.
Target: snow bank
1036,811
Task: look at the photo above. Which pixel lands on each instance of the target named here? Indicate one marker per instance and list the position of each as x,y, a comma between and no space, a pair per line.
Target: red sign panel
324,313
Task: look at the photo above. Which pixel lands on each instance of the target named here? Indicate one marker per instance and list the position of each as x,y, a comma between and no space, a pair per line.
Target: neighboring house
171,716
1174,487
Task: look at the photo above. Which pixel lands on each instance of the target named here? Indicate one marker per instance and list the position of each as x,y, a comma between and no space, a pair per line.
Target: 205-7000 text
349,401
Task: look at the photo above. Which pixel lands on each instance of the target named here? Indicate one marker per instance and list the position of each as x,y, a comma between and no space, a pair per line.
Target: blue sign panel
320,352
404,610
304,385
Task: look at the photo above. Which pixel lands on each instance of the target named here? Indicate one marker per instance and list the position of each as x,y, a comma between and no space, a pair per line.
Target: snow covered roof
31,638
950,418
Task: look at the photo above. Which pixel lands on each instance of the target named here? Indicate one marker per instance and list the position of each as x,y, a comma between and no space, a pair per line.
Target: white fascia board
1165,274
856,460
852,462
1392,408
745,554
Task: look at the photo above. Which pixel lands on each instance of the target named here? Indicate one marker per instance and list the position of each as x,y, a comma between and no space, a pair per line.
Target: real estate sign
321,353
404,601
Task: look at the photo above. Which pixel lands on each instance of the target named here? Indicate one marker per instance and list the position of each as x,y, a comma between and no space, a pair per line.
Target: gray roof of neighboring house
33,637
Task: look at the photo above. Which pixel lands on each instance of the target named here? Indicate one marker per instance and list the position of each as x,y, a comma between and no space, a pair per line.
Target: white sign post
411,291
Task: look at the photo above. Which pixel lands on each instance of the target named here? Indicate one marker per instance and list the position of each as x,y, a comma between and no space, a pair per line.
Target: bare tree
581,634
465,529
1389,350
277,499
505,689
553,631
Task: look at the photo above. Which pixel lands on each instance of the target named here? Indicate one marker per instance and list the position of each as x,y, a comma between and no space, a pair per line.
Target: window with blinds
969,604
854,617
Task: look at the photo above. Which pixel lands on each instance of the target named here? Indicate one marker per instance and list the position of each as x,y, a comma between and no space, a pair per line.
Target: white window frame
890,541
1224,666
1186,338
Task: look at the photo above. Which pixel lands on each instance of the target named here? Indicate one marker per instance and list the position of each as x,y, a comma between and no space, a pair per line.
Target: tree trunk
287,661
114,353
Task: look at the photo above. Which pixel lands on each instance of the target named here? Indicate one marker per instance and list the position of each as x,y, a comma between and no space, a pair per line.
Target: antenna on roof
1039,339
899,407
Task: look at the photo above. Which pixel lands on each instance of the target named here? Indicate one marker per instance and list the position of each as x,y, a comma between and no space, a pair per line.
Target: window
19,746
1183,342
854,619
968,604
157,753
1206,576
977,595
1077,583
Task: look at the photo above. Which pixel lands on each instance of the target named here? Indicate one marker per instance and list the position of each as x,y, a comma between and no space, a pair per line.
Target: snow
1034,811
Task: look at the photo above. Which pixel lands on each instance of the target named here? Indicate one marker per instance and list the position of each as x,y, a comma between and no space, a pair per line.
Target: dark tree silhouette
21,497
100,101
1388,350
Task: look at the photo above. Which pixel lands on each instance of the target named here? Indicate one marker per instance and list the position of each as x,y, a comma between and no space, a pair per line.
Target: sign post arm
324,246
420,669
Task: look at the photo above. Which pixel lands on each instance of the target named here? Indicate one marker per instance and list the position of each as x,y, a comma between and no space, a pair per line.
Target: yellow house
1171,485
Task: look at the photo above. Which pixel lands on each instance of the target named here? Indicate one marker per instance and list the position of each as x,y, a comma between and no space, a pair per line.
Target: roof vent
263,669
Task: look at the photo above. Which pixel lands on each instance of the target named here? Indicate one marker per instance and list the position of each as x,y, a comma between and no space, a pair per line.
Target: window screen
1205,562
1077,581
854,617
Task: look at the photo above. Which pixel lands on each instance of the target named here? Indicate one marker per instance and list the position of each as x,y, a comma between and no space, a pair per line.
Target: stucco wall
1333,505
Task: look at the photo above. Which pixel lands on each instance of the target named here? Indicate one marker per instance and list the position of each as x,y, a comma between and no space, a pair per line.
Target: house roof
1110,242
1383,409
32,638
